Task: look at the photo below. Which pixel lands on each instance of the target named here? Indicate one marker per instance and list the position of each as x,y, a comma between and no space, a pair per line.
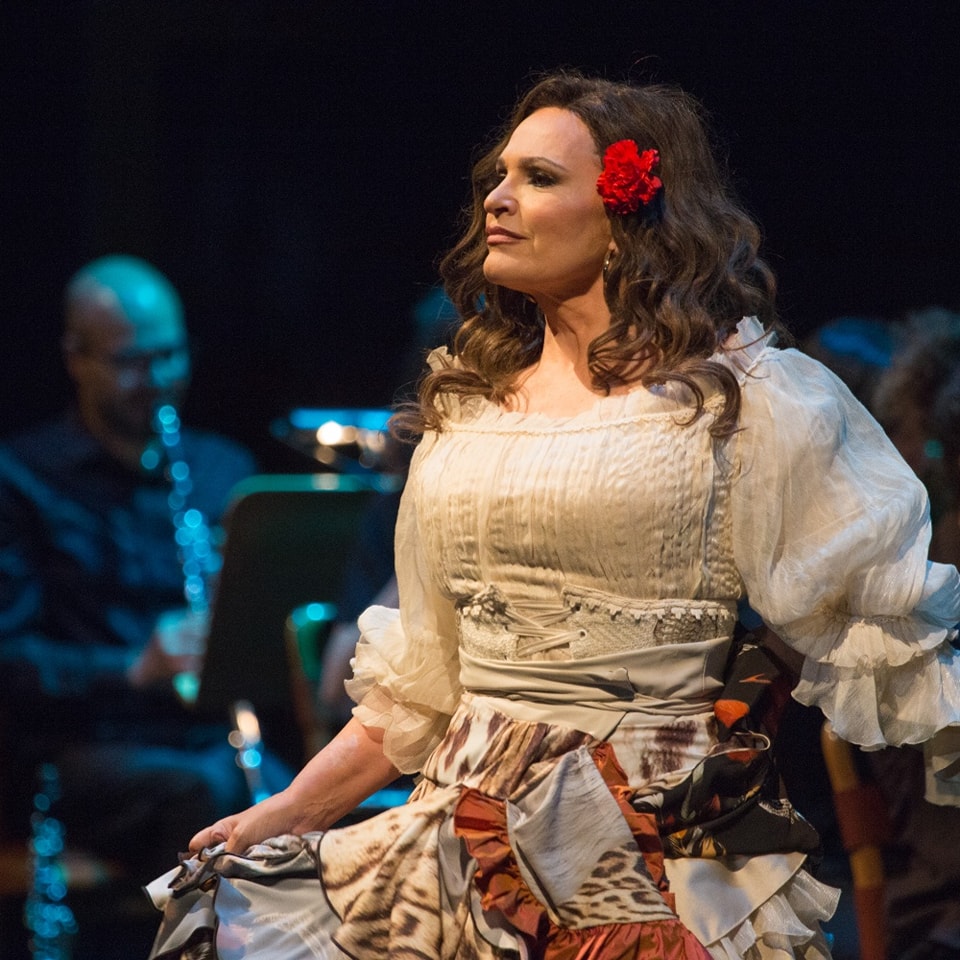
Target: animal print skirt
522,840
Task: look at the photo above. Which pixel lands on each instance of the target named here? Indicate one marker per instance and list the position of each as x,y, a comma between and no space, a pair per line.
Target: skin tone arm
348,769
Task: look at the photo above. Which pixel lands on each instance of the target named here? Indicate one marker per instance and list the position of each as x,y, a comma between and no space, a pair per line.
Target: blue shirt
87,564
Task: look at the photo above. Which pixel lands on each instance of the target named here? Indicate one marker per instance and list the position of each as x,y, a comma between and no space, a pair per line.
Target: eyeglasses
171,363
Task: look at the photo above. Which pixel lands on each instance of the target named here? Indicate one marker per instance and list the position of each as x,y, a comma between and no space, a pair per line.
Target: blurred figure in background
945,434
904,403
917,401
857,349
94,618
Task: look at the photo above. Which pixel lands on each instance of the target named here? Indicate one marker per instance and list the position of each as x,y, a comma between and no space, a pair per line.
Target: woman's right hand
349,768
270,818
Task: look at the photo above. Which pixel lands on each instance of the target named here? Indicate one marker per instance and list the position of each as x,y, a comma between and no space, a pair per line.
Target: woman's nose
500,199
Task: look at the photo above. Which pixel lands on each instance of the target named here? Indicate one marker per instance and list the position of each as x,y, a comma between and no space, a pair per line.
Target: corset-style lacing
583,623
534,625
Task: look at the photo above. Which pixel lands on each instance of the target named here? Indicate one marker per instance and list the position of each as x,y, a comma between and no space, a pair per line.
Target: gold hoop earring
607,260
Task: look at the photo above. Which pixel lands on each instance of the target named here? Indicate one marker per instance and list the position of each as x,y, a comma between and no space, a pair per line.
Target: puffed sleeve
406,669
830,532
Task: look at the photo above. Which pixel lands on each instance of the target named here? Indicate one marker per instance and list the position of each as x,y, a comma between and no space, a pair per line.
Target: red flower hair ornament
628,182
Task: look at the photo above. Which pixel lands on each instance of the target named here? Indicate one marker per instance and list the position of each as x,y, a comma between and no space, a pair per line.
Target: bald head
125,346
125,291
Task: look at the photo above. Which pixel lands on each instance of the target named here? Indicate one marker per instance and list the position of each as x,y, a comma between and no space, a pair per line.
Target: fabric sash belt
594,694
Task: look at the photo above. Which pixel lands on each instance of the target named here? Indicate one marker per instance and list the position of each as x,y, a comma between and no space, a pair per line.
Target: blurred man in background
102,605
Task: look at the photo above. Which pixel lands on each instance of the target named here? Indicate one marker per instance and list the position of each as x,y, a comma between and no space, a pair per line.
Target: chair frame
864,829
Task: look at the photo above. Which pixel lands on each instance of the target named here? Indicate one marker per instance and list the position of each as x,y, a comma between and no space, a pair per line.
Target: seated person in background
918,403
857,349
904,402
945,432
94,622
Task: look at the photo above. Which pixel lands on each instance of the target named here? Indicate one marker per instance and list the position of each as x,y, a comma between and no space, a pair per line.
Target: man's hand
176,646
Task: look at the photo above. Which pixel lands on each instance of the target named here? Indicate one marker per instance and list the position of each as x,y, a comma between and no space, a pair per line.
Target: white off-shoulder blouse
807,510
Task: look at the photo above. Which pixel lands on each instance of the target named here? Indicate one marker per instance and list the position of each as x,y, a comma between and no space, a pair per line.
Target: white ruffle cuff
392,697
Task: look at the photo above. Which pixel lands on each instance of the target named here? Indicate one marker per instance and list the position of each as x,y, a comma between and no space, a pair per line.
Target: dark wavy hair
686,270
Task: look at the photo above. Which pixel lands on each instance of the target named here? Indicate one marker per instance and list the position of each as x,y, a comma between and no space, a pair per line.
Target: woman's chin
506,278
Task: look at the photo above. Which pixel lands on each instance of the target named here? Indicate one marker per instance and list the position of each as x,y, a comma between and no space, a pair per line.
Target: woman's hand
270,818
347,770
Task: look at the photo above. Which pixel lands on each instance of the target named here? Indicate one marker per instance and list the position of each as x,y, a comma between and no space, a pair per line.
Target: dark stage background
296,167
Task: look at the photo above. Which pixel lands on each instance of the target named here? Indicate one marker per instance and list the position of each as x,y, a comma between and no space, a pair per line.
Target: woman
613,456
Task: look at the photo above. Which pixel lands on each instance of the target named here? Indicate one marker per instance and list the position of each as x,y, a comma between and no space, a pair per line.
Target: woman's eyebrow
525,163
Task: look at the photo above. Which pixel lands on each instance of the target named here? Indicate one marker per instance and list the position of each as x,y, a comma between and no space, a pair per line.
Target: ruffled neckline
739,353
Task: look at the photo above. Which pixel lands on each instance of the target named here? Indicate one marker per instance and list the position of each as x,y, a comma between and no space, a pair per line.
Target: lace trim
584,623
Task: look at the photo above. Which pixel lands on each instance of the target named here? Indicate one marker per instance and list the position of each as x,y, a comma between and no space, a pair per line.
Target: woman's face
547,229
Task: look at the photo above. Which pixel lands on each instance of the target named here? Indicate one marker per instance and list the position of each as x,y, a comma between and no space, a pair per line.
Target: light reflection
343,440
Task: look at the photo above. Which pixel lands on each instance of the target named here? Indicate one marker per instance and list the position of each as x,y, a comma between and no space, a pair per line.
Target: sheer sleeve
406,669
830,533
